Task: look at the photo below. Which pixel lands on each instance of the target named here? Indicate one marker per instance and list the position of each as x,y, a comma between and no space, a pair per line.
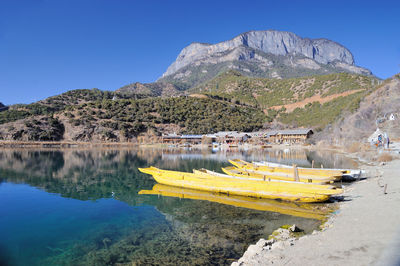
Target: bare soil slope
316,98
375,111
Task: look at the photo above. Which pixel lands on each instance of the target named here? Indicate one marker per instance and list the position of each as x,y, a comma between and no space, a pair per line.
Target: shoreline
364,230
61,144
73,144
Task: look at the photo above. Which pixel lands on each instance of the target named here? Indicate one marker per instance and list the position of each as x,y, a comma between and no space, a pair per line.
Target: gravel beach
364,231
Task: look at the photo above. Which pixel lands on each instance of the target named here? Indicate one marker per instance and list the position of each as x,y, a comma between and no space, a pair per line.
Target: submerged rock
259,253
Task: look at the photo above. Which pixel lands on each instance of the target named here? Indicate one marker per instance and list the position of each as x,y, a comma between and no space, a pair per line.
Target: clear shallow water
81,207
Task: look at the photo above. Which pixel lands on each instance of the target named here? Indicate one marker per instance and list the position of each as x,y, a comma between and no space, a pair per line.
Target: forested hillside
230,101
124,120
313,101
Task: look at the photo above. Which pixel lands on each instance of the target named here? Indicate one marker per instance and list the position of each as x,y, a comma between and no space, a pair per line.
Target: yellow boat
335,175
348,174
231,170
288,208
288,186
234,186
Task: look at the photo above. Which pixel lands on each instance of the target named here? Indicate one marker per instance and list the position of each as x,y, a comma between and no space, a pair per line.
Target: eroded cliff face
252,45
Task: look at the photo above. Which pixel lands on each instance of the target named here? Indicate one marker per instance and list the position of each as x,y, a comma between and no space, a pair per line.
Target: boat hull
231,170
278,185
303,172
258,189
348,174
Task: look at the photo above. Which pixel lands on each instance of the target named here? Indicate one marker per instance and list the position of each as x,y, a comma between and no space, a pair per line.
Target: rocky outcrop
261,252
254,45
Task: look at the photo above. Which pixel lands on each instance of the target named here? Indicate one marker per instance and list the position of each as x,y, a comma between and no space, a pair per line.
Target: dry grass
201,96
385,157
326,145
357,147
354,147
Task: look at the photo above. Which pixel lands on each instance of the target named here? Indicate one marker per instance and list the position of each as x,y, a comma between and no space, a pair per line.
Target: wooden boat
304,173
233,185
347,173
233,171
288,186
288,208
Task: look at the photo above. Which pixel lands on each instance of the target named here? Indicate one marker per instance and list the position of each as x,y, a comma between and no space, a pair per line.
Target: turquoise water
81,207
35,224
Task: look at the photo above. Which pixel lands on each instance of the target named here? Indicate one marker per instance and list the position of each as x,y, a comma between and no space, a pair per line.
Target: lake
82,207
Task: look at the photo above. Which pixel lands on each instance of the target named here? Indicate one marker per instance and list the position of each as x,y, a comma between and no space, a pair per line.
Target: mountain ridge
270,53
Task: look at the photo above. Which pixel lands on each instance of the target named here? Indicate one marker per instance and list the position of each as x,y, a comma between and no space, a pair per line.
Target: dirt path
365,231
315,98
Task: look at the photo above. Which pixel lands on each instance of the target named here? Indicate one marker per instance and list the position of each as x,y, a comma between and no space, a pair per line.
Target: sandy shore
365,230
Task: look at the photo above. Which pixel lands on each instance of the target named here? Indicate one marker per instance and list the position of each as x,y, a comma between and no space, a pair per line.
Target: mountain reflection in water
82,207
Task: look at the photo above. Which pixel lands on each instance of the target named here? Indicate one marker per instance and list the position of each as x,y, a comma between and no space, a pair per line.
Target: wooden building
236,138
171,139
232,137
191,139
288,135
181,139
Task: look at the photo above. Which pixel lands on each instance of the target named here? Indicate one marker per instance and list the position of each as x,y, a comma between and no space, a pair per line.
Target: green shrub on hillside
43,129
195,115
317,115
13,115
54,104
266,92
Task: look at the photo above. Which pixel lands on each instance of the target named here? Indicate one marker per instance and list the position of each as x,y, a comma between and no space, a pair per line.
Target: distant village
234,138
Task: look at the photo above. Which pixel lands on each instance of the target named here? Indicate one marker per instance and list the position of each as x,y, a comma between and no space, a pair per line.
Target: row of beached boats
259,180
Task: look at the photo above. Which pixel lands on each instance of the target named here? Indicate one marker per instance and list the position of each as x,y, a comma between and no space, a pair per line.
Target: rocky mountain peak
279,43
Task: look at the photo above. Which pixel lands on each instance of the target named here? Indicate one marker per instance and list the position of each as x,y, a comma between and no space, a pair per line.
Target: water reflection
310,211
118,225
301,157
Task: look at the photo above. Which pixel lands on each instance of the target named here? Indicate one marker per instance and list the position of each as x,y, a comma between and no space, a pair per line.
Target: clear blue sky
48,47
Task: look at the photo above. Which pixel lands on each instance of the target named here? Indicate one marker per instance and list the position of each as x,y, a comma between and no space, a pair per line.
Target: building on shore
171,139
225,137
232,137
192,139
290,136
182,139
